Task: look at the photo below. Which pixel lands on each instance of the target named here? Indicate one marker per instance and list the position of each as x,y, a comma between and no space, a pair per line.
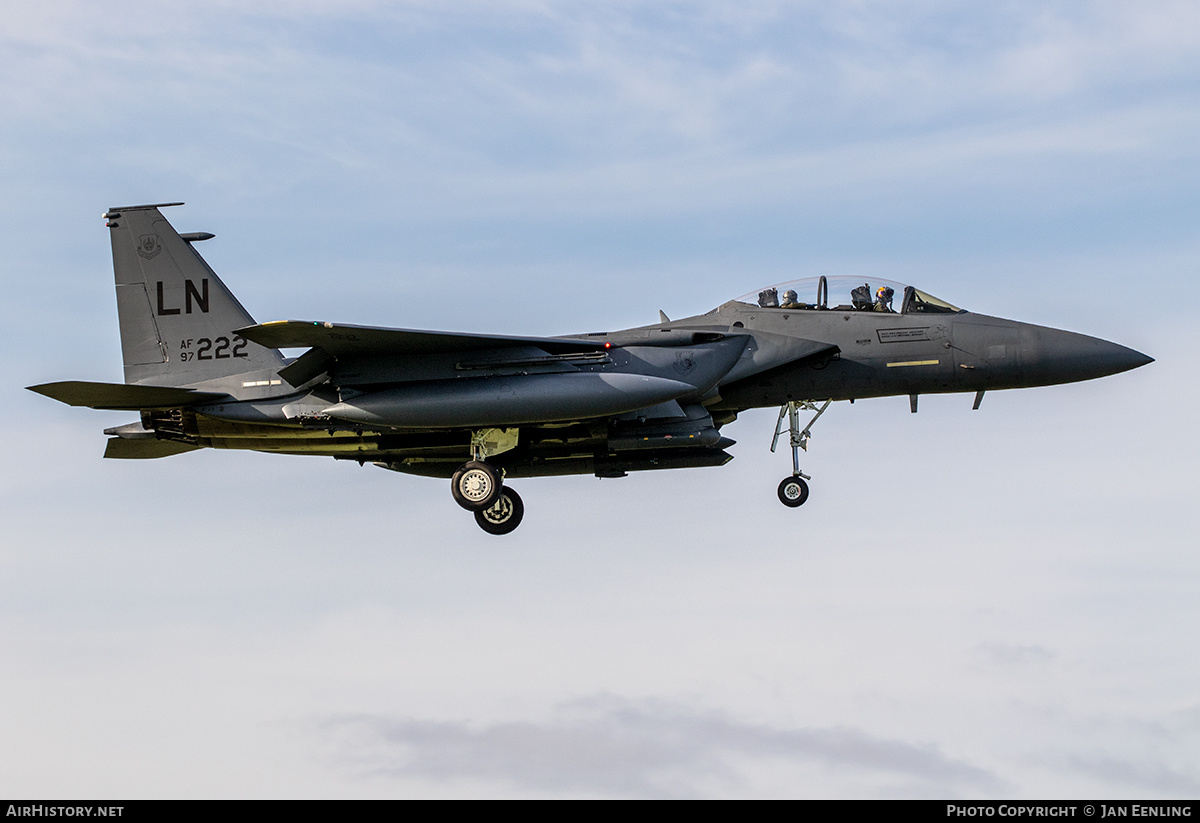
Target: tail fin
177,317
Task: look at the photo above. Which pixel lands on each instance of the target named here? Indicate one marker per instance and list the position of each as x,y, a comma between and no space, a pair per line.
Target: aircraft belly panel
601,465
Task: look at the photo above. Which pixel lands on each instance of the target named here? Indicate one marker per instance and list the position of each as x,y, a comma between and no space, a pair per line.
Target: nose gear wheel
793,491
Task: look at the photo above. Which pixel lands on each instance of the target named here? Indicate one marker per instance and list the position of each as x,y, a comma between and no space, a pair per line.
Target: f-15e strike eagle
481,409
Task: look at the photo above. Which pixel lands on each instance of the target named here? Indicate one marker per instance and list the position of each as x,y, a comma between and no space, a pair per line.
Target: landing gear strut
793,491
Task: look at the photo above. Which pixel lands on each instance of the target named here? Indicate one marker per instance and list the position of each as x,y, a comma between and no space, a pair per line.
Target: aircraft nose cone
1132,359
1067,357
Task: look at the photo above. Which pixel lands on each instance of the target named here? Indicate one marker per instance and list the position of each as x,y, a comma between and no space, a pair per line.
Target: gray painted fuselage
657,397
885,354
203,374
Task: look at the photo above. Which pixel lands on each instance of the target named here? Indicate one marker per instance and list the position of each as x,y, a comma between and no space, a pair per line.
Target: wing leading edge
340,339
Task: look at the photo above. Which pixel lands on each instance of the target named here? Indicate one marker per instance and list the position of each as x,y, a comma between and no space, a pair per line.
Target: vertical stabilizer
177,317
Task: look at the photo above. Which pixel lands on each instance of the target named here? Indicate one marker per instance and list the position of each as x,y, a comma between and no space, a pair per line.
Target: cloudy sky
996,603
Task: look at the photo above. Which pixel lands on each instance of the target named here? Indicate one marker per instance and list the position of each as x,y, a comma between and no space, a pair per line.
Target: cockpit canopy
847,293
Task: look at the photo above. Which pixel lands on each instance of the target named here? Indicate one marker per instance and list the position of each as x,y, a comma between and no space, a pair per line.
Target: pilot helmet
884,294
789,296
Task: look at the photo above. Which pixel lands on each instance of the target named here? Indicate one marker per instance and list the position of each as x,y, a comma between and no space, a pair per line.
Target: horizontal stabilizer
122,396
121,449
343,340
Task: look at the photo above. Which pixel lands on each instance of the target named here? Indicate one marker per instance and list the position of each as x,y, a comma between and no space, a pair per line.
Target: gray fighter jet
481,409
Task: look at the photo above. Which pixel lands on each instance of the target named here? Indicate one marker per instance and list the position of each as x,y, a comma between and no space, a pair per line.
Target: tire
793,491
502,516
476,485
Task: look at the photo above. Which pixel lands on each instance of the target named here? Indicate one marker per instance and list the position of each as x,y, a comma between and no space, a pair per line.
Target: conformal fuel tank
508,401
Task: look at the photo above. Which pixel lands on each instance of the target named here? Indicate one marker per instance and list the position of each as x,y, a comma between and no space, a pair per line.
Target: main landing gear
502,516
478,486
793,490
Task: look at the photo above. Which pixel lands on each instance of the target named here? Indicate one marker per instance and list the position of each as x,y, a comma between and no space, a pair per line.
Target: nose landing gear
793,491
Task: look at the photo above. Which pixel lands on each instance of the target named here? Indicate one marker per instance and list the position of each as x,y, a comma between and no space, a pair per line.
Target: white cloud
612,747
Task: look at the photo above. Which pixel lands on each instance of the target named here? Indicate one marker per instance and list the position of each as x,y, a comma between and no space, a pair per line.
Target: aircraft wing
123,396
337,339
